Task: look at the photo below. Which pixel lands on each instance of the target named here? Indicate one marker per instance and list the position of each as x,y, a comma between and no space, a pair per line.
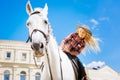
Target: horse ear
29,8
45,10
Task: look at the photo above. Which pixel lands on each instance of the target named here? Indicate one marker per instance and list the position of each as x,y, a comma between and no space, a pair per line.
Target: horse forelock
37,9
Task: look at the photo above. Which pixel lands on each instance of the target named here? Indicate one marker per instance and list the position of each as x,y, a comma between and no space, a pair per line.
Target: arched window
23,75
7,75
37,76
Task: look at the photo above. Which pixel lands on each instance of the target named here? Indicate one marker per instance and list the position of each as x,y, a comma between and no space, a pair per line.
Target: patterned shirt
73,43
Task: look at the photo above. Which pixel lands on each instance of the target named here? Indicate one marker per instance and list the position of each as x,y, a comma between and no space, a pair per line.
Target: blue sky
103,17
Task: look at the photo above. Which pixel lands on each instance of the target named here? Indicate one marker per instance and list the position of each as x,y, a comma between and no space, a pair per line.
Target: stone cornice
14,45
5,64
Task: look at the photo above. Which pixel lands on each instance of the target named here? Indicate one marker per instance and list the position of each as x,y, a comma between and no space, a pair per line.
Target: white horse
57,65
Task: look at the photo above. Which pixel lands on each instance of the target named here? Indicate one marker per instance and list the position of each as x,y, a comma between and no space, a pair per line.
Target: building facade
104,73
16,61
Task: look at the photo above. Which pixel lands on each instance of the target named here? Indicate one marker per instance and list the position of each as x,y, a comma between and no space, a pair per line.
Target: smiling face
81,32
38,26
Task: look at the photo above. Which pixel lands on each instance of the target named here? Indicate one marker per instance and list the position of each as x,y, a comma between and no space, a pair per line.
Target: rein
42,65
46,37
47,40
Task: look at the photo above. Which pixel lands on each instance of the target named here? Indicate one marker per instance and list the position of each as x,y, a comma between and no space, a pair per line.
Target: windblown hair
91,42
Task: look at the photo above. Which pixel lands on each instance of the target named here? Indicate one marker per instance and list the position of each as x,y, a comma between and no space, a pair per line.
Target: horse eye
45,22
28,23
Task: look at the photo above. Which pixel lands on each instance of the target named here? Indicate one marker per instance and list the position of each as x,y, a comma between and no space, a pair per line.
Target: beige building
16,61
104,73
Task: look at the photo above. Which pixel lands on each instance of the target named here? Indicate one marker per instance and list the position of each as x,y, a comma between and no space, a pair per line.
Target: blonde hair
91,42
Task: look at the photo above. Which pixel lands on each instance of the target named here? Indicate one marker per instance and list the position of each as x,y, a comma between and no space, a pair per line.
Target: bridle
47,41
35,30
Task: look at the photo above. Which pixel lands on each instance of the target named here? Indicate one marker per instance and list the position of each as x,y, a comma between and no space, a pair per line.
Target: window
24,56
7,75
37,76
23,75
8,55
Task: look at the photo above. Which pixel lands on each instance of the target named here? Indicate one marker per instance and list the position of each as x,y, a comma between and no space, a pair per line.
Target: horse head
38,28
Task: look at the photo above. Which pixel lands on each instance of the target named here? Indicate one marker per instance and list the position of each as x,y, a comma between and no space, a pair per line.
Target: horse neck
54,58
53,46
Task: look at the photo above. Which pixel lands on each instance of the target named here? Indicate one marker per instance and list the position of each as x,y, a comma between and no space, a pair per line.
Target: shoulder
71,35
74,34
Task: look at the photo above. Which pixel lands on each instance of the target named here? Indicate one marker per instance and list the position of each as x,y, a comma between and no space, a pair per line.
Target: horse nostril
36,46
41,46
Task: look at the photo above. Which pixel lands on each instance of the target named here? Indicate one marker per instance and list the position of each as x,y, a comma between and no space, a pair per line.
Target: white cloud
94,26
104,19
95,22
95,65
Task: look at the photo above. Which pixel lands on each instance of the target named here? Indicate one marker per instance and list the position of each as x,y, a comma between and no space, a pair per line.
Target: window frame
8,55
37,76
22,75
6,75
24,56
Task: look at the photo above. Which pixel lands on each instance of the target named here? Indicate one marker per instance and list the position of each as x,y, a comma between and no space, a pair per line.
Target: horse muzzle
38,49
37,46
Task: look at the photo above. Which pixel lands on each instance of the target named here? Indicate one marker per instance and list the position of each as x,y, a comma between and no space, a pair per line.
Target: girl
74,44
